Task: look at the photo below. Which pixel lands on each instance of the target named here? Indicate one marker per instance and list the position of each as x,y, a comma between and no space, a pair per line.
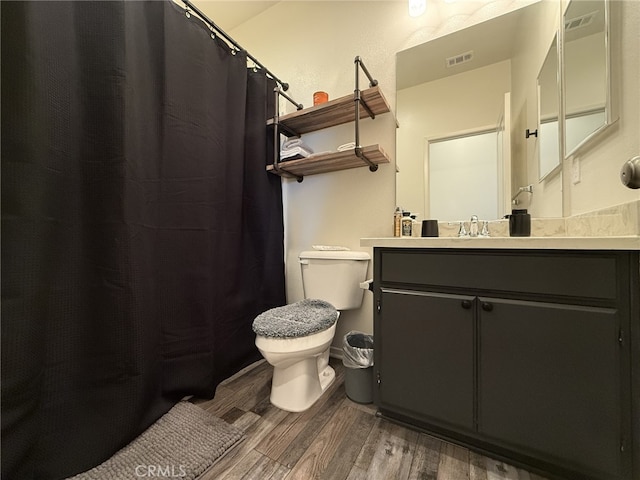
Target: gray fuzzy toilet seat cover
296,320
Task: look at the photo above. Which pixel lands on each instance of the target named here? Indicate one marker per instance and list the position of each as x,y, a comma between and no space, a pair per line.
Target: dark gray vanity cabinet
525,355
549,380
435,330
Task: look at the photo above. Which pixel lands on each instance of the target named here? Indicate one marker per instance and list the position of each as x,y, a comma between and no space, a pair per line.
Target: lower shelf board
329,162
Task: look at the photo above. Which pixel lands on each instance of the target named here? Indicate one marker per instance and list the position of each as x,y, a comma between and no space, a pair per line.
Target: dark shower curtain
140,232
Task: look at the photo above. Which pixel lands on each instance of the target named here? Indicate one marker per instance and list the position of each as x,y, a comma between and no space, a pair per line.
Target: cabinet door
425,356
549,382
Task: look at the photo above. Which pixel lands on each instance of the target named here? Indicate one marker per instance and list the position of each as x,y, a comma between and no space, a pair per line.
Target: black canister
519,223
430,228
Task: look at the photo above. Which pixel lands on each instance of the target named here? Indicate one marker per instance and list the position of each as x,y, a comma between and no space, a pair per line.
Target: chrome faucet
485,229
473,226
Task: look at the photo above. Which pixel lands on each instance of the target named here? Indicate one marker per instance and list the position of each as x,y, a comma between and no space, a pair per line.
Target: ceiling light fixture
417,7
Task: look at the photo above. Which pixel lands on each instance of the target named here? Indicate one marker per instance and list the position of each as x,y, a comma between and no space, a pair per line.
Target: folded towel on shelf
294,153
294,148
294,142
347,146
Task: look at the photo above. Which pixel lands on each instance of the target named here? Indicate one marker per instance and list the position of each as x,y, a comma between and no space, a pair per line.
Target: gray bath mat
183,443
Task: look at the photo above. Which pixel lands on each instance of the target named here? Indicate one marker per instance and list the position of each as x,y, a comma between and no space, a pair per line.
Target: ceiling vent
459,59
579,22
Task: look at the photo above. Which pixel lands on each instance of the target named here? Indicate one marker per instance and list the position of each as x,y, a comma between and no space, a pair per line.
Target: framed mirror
473,81
548,113
586,73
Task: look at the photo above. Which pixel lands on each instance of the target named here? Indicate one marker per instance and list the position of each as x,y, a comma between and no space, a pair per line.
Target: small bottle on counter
415,231
407,224
397,222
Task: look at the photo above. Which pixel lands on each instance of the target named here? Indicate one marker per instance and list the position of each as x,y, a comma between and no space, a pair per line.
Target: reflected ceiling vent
579,22
459,59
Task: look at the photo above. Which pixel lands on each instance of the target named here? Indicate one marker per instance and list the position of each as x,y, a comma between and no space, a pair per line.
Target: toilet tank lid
335,255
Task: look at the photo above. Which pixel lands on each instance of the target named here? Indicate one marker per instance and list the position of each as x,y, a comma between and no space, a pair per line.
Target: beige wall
312,44
530,51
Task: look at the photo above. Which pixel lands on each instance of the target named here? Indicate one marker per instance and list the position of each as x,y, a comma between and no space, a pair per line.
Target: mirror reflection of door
470,174
463,176
504,158
548,100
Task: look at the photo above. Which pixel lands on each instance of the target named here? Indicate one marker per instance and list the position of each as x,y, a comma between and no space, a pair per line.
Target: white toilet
295,339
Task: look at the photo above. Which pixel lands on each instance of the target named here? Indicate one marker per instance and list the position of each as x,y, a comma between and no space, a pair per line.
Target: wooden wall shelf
332,113
330,162
350,108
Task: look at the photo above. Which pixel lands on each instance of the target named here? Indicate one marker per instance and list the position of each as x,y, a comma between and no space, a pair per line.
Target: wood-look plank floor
336,439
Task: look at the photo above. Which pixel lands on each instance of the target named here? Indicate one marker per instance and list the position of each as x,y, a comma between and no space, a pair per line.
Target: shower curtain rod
285,86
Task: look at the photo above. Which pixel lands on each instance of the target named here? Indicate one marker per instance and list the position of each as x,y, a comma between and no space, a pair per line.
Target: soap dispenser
519,223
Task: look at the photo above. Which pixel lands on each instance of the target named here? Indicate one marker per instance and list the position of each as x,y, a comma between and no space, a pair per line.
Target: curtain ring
187,13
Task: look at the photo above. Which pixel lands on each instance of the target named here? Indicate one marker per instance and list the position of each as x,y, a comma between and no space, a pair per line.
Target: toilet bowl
295,339
301,371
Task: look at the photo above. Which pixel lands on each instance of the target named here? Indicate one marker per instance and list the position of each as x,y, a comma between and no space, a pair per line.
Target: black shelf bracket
284,172
277,127
357,100
360,154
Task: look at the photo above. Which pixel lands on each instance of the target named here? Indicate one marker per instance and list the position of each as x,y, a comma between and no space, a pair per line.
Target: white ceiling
489,41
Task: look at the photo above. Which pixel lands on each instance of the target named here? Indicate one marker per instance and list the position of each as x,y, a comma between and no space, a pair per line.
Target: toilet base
298,386
327,377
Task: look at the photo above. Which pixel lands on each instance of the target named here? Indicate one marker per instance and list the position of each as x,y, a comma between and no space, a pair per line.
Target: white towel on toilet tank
330,248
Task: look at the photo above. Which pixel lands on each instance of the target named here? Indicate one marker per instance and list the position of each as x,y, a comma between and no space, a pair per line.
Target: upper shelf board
334,112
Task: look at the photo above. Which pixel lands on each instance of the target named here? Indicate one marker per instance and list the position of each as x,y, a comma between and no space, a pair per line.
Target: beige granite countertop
612,228
630,242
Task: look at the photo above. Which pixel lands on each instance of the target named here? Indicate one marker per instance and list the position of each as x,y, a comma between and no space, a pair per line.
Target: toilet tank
334,276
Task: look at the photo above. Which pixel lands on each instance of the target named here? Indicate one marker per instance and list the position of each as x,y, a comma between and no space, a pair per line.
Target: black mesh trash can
357,359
